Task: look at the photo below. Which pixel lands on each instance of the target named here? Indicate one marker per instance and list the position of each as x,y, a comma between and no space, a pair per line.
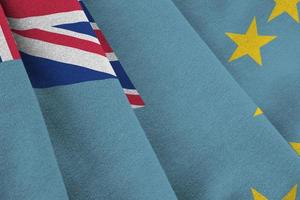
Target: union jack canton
59,45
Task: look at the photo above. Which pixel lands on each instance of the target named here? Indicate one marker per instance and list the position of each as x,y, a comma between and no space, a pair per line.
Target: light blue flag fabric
271,76
101,149
28,167
211,139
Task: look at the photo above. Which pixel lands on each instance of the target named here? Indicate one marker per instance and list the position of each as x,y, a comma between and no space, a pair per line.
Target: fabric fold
274,83
28,166
102,151
209,136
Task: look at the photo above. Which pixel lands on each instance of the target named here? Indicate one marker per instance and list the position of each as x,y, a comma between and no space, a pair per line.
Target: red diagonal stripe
61,39
135,100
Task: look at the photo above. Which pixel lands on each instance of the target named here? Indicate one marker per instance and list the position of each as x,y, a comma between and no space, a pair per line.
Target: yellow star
258,112
296,147
249,43
285,6
291,195
257,195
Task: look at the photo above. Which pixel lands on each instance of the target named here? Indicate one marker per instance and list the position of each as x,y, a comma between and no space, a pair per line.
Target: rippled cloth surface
163,120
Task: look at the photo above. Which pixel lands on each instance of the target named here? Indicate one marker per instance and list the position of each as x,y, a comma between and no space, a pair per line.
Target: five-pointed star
285,6
291,195
249,43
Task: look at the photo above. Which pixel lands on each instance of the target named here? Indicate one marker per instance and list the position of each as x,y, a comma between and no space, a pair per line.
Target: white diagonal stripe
71,33
111,56
136,106
94,26
130,91
4,50
47,20
64,54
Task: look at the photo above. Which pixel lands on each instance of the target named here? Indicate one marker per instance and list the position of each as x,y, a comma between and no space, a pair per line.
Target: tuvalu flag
71,133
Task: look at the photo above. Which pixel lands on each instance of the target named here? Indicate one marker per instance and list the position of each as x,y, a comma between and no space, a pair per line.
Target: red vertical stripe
22,8
8,35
